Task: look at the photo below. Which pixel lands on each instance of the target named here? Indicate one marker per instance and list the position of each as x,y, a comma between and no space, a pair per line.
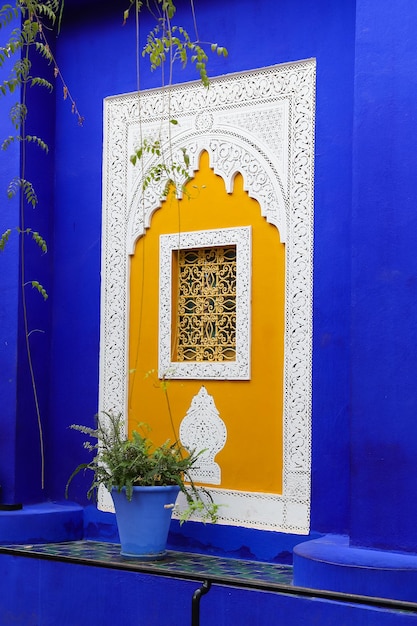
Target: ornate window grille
206,320
204,304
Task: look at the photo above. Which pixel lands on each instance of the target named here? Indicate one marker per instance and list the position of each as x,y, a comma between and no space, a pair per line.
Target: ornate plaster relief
238,369
261,124
203,429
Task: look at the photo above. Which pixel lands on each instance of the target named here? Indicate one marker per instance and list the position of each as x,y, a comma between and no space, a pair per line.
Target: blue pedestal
332,563
42,523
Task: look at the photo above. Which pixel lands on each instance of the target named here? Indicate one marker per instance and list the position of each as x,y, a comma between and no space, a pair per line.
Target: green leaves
221,50
173,42
41,82
7,14
119,463
4,239
126,13
18,114
169,43
33,18
26,186
8,86
147,147
9,140
168,7
39,240
30,138
185,157
44,51
170,172
49,10
36,285
21,40
38,141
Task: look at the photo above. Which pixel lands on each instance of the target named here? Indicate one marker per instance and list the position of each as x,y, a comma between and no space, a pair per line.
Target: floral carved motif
203,429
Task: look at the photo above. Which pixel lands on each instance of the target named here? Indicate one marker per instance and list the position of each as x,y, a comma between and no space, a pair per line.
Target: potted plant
144,481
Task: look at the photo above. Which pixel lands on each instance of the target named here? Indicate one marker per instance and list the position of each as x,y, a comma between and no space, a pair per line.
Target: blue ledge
332,563
42,523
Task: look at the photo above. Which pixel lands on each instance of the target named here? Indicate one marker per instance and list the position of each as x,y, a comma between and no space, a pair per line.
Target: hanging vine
34,19
165,45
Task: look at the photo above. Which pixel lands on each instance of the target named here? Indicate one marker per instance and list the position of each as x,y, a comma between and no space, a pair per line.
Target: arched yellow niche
251,410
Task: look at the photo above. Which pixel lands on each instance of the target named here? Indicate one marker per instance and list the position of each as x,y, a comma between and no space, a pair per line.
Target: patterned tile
182,564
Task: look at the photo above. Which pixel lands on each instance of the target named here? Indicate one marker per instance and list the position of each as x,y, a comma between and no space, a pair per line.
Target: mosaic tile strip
182,564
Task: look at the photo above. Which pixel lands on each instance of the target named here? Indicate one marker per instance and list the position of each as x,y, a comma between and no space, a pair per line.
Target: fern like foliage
120,463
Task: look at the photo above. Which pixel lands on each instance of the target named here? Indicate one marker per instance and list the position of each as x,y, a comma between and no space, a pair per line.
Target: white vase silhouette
203,429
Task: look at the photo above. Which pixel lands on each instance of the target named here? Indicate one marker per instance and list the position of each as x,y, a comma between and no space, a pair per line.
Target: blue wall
69,595
365,285
96,55
39,170
364,363
384,278
20,467
9,305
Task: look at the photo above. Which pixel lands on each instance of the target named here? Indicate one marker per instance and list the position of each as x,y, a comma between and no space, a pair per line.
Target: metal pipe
195,602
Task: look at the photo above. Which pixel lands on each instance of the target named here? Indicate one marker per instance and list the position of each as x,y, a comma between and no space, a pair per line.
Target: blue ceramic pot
143,521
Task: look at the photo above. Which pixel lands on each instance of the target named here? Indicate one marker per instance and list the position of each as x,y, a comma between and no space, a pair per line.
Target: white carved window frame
220,370
259,124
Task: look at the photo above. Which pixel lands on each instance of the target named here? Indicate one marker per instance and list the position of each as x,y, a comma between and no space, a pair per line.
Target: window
204,304
205,326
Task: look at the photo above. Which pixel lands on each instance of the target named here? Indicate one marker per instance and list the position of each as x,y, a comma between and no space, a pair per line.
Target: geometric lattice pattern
103,554
207,275
206,327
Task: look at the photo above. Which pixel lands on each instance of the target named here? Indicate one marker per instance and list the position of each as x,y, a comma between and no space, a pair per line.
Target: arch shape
230,152
260,123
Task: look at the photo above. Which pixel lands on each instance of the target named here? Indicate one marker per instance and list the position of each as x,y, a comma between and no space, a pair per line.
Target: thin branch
23,291
194,20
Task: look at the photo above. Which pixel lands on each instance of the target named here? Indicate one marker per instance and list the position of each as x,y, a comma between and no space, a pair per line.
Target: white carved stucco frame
238,369
260,124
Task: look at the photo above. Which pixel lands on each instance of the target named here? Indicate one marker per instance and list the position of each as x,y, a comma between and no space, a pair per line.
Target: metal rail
304,592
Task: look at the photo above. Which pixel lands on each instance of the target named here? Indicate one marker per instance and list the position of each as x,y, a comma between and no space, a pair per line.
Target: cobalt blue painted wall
365,286
40,171
69,595
20,459
9,302
384,278
96,56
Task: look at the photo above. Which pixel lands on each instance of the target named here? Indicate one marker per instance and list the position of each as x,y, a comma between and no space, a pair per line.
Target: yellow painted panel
252,410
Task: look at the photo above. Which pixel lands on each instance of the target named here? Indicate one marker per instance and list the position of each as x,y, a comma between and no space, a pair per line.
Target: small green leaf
36,285
39,240
185,157
4,238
